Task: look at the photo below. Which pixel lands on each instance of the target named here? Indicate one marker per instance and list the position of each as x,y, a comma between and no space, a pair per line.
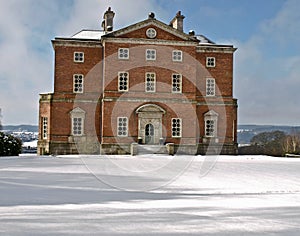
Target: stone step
152,149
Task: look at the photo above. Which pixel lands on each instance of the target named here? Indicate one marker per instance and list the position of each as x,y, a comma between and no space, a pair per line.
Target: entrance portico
150,123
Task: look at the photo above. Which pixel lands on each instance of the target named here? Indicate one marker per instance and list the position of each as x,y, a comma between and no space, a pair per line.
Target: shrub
9,145
266,143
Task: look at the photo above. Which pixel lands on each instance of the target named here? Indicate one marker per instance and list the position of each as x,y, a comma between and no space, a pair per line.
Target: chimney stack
108,22
177,22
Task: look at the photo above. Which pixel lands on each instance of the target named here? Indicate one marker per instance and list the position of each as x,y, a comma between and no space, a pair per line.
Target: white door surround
150,120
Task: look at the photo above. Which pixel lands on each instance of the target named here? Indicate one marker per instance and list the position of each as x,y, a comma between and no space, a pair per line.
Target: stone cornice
149,42
76,42
162,100
216,48
218,103
46,97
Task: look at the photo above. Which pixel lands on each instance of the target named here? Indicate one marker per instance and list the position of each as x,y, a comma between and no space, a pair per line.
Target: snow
31,144
89,34
149,195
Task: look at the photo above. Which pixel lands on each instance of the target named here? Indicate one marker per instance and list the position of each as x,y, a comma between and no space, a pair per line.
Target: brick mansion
147,84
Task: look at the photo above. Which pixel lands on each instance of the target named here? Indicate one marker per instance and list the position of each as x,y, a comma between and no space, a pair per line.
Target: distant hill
16,128
246,132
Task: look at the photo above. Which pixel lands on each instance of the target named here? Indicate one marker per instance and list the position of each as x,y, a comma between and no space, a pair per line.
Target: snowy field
149,195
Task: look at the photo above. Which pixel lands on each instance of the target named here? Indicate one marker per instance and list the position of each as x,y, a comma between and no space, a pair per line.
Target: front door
149,134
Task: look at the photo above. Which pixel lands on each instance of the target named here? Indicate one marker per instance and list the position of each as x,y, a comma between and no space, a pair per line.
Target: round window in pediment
151,33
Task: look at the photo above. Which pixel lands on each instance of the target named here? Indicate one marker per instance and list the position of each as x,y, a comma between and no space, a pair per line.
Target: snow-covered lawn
149,195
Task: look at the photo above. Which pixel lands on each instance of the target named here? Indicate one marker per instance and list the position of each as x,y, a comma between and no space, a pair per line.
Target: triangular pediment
77,110
211,113
138,30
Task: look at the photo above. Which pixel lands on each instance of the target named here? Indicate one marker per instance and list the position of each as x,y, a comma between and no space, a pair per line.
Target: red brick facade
187,102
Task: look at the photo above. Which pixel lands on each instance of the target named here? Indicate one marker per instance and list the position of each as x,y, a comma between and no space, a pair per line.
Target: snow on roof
89,34
204,40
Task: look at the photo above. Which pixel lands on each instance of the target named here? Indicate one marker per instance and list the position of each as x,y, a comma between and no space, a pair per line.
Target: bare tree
286,144
292,142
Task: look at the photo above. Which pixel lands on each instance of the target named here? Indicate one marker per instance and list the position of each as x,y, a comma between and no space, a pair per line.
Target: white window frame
44,127
121,53
176,57
178,121
120,125
210,88
210,62
120,77
77,113
179,78
147,75
78,58
75,78
209,117
79,130
151,33
233,130
210,134
152,52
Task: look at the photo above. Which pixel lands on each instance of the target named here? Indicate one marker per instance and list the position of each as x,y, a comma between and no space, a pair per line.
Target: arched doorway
149,134
150,123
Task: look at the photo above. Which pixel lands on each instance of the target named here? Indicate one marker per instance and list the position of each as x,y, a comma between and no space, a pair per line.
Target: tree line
275,143
9,145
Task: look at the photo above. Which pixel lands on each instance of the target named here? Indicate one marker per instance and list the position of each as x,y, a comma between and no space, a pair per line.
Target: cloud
127,12
284,27
26,59
267,86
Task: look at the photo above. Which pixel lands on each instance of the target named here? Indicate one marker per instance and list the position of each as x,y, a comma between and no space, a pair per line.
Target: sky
266,33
